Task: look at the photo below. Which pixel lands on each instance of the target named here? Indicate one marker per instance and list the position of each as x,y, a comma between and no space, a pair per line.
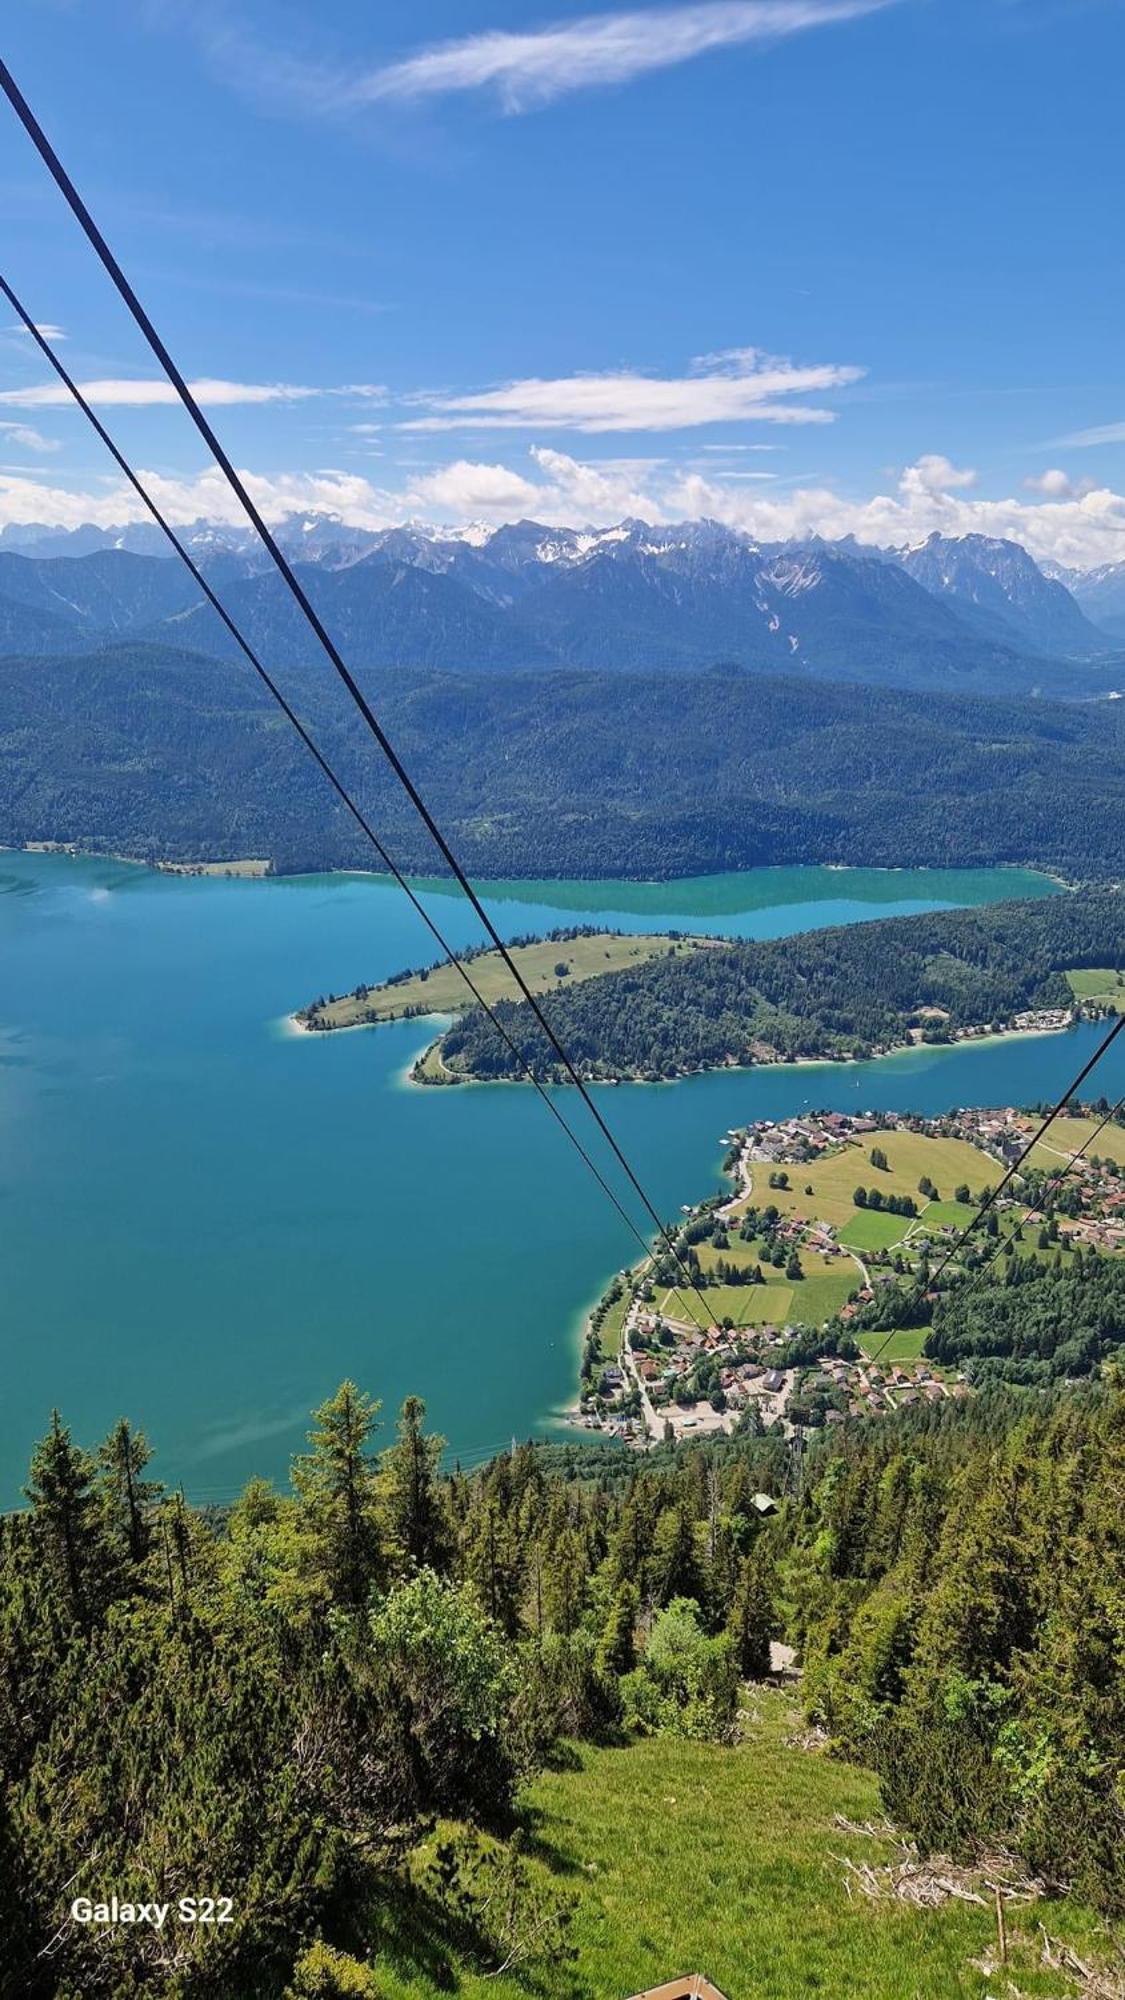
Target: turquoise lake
206,1221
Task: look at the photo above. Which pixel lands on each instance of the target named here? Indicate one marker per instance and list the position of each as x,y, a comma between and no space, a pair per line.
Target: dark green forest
285,1699
280,1702
846,991
956,1588
158,754
1038,1324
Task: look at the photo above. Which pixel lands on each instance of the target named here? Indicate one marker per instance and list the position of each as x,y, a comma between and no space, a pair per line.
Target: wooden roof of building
692,1986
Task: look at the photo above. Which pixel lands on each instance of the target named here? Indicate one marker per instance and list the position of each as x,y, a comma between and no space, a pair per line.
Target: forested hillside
277,1706
162,754
1037,1326
328,1705
847,991
956,1588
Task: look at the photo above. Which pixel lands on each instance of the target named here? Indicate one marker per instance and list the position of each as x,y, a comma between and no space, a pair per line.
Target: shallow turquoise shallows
206,1221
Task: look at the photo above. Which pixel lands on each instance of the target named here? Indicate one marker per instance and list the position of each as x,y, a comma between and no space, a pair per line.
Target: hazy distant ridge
966,615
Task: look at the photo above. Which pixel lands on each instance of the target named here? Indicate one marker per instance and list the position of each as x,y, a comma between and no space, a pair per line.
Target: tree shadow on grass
409,1931
538,1848
563,1756
416,1937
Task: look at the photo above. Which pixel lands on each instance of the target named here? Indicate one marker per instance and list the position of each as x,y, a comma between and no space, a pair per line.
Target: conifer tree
753,1620
65,1521
416,1516
127,1496
493,1563
564,1582
617,1647
675,1564
337,1484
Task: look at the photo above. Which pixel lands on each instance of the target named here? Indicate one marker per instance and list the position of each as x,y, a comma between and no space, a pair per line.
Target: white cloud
1078,531
468,491
608,491
1055,484
529,68
933,473
741,387
31,440
206,496
568,491
130,394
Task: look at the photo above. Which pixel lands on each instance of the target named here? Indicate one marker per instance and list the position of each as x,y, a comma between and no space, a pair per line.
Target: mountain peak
999,587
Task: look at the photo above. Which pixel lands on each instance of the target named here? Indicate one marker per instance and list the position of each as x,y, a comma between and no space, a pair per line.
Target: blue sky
826,265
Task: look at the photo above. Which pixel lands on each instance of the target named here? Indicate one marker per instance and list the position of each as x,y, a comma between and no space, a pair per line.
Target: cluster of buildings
873,1390
805,1138
828,1392
1044,1020
1096,1180
666,1379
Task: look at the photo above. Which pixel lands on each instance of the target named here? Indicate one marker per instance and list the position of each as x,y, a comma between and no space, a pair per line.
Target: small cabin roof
692,1987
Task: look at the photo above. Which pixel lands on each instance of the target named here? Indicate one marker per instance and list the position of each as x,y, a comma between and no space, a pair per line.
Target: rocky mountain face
996,587
967,615
1100,593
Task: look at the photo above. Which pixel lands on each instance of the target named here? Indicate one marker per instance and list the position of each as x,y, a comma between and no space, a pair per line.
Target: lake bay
207,1221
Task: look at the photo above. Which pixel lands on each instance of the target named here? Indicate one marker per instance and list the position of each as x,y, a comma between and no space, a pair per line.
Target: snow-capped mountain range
970,613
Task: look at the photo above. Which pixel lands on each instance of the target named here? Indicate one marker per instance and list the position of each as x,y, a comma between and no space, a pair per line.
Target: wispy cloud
1101,434
130,394
49,332
532,67
739,387
31,440
282,295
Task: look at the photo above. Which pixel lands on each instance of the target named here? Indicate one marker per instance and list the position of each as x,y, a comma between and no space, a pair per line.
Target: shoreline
245,868
745,1069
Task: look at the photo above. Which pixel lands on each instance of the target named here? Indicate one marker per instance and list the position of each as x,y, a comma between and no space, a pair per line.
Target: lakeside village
828,1209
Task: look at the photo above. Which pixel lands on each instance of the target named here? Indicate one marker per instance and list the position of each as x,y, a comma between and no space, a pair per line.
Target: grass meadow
1068,1134
903,1345
911,1156
686,1857
873,1229
815,1297
443,991
1099,987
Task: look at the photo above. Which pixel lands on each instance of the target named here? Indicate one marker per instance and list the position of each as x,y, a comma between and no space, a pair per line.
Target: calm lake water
206,1222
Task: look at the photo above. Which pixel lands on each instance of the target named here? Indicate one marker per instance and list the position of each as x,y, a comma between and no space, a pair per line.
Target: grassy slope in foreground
686,1857
441,990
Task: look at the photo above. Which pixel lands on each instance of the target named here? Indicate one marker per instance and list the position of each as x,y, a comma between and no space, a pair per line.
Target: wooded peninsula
850,992
563,956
